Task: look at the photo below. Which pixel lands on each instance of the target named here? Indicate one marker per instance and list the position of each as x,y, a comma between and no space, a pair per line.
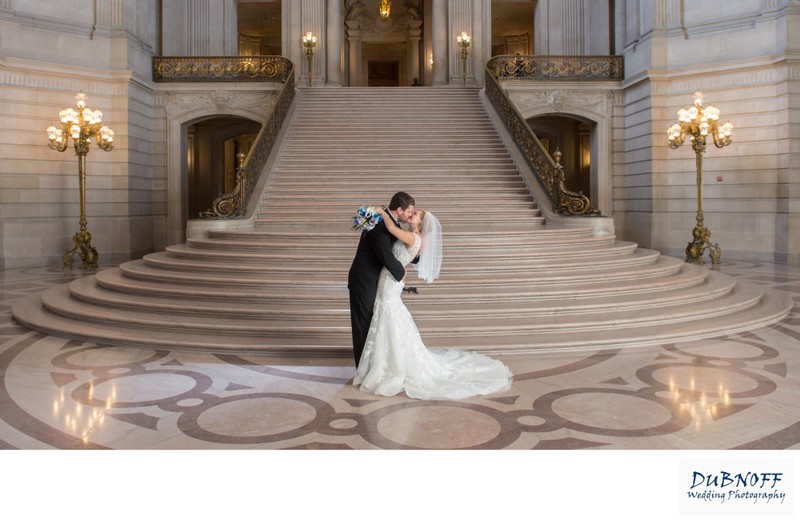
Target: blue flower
365,219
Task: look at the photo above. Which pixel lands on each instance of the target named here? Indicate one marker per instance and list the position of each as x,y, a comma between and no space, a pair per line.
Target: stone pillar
334,42
573,27
354,49
193,28
414,36
440,43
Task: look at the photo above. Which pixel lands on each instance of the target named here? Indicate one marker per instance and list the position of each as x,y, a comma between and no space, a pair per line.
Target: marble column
440,43
573,27
414,36
354,48
334,42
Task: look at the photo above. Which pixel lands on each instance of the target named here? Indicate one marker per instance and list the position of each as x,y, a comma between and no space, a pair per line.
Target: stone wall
742,56
49,51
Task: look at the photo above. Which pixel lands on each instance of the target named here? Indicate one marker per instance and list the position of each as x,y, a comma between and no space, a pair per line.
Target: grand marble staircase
509,284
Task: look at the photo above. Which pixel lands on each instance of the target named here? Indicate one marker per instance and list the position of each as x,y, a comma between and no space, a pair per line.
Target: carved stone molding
564,100
43,80
179,103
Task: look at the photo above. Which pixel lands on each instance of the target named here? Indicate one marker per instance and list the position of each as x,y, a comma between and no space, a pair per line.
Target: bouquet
365,219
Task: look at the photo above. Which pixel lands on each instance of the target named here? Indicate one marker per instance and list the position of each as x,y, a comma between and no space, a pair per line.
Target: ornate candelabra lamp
463,40
384,9
82,125
696,123
309,41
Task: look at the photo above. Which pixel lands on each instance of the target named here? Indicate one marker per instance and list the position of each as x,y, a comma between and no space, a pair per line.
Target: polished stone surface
736,392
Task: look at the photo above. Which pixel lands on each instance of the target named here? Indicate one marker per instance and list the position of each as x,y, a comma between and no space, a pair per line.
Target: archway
573,137
210,158
384,52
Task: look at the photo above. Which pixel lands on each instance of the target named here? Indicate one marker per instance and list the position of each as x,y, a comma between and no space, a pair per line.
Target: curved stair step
687,276
60,302
336,248
646,264
326,267
309,256
430,305
770,308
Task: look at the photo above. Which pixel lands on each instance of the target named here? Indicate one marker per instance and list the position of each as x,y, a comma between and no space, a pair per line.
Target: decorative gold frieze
221,68
572,68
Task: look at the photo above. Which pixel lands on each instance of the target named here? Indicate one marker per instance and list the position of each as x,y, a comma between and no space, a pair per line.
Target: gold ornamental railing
222,68
548,171
275,69
549,68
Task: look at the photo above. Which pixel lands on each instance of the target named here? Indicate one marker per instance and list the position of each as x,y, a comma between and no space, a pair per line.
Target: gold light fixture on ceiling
384,9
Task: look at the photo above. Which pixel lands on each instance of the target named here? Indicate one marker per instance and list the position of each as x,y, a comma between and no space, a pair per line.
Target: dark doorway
573,137
259,25
211,149
383,74
512,27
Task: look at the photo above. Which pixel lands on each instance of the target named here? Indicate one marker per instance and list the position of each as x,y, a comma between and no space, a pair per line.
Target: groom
374,252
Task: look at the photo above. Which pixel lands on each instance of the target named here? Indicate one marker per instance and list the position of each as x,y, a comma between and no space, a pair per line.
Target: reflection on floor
738,392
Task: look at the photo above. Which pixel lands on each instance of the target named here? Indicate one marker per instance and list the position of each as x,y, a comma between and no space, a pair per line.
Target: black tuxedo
374,253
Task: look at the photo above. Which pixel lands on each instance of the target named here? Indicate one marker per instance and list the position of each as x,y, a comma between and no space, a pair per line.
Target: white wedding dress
395,359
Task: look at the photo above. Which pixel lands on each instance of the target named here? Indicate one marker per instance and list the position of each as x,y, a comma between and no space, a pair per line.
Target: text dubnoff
737,487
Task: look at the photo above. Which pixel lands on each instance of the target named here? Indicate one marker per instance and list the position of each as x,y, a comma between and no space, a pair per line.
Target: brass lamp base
701,243
83,247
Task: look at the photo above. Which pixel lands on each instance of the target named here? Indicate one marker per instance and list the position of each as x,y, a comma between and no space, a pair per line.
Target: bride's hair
430,257
421,219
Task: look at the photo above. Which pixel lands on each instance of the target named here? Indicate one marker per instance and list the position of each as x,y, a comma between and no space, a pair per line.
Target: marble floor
738,392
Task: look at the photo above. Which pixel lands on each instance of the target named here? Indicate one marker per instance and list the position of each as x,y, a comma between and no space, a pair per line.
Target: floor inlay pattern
737,392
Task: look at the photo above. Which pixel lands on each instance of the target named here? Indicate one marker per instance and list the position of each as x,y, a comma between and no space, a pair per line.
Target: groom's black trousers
360,320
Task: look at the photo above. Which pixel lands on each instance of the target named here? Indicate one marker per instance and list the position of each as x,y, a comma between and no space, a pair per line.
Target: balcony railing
222,68
550,68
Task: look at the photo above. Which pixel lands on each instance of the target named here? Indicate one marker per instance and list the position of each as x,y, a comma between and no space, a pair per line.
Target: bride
395,359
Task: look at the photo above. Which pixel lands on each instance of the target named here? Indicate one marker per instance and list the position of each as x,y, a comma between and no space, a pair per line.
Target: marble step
456,257
343,246
429,305
520,215
770,308
468,173
682,278
321,267
342,199
463,224
288,233
766,309
158,267
457,323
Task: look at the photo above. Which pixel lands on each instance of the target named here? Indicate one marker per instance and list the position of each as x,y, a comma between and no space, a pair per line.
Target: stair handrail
275,69
548,171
